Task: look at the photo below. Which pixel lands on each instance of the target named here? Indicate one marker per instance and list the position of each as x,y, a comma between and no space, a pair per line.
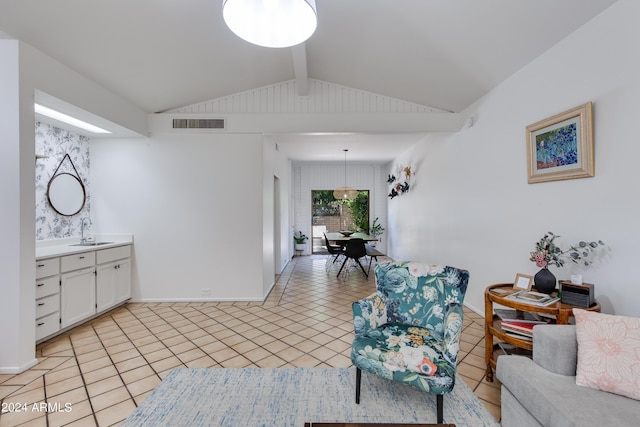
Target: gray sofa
543,391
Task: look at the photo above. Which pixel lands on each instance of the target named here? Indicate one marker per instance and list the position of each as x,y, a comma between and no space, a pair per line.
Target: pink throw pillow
608,352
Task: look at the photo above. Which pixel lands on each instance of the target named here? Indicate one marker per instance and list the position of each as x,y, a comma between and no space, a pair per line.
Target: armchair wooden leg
358,377
439,407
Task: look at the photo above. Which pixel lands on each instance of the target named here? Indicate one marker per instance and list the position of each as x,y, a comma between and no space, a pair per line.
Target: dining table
341,238
371,252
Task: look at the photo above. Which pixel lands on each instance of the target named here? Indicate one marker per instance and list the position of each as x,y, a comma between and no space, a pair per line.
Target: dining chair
354,250
335,250
409,330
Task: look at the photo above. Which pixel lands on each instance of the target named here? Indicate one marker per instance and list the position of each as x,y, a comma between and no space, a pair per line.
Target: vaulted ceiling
164,54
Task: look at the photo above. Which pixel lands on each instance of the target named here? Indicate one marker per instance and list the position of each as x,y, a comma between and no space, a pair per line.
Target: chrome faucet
82,239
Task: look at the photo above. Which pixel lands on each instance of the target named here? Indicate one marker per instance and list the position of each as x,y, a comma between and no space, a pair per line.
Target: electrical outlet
205,291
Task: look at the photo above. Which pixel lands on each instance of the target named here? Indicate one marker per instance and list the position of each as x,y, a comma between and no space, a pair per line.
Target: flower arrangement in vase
548,253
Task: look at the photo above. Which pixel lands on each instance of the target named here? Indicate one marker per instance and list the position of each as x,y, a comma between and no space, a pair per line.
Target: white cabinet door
78,296
105,288
123,282
113,285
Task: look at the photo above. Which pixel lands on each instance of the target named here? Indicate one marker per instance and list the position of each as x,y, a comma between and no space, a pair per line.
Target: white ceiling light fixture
345,193
271,23
56,115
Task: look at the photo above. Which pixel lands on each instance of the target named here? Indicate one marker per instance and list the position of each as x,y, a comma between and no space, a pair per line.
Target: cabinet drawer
48,286
47,325
77,261
47,305
47,267
112,254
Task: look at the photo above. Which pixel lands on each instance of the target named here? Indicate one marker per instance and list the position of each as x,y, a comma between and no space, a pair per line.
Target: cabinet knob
41,323
40,304
81,257
40,284
40,265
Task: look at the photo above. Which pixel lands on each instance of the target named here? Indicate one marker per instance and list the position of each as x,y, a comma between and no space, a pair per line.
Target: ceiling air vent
198,123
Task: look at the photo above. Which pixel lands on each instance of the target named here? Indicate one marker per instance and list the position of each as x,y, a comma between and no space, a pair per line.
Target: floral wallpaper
55,143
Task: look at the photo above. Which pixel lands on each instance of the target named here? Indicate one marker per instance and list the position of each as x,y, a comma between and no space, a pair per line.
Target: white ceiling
164,54
369,147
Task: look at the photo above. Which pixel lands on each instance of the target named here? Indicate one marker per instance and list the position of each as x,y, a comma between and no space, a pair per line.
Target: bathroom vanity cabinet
73,288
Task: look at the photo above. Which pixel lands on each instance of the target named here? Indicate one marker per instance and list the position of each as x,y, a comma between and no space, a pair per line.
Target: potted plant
300,240
375,230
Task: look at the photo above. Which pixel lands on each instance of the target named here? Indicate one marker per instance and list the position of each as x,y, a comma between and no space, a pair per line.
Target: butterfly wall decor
400,185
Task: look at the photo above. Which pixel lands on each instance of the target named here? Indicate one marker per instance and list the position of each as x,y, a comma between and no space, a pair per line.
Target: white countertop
60,247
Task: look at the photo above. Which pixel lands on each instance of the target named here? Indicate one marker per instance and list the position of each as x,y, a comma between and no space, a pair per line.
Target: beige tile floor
97,373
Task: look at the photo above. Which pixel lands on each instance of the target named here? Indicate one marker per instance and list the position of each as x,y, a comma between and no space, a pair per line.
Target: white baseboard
196,300
18,370
475,310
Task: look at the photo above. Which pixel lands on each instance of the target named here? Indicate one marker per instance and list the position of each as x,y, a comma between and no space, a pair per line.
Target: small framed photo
561,147
523,282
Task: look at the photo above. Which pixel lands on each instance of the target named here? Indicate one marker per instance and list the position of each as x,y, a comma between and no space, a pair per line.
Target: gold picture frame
561,147
523,282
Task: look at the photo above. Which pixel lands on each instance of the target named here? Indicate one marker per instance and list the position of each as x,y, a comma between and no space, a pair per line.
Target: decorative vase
545,281
301,246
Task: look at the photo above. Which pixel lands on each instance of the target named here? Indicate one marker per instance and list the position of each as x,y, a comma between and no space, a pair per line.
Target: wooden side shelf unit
496,294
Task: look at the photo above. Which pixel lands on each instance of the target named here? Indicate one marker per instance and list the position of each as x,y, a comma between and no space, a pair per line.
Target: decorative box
578,295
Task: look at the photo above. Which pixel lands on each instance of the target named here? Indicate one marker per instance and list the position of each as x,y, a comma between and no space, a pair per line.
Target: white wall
471,206
276,249
17,272
194,202
310,176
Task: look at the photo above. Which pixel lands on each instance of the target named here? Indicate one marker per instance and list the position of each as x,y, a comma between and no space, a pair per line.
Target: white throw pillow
608,352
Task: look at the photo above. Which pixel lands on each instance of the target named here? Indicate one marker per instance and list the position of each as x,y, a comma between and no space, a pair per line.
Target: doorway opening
277,231
330,215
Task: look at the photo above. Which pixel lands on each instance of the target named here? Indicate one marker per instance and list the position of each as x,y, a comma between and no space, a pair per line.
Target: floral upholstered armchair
409,330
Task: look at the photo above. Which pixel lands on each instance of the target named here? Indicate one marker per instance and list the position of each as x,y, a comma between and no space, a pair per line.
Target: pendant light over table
345,193
271,23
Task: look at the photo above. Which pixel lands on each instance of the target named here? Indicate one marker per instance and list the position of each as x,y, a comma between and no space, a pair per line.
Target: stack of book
519,324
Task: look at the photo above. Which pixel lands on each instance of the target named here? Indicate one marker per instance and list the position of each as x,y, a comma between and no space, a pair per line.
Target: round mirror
66,194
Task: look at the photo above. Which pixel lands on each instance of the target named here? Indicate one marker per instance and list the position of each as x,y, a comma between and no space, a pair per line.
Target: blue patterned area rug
292,396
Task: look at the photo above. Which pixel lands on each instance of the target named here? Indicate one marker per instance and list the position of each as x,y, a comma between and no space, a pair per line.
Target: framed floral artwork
561,147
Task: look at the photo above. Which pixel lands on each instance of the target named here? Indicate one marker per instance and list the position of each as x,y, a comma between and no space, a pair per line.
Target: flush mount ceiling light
345,193
53,114
271,23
